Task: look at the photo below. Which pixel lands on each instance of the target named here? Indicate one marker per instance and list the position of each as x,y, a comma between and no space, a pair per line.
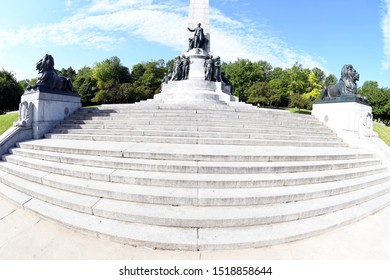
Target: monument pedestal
50,108
352,121
196,89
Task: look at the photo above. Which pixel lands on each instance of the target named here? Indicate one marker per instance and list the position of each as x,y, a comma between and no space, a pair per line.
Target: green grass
299,111
6,121
383,132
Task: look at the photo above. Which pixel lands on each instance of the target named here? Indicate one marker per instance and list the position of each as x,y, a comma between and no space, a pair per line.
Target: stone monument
196,76
47,102
344,111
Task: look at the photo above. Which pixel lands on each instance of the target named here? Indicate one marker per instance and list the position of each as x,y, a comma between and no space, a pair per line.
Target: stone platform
195,177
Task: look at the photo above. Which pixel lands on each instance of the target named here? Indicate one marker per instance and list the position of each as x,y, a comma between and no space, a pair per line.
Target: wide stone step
203,128
237,216
196,120
197,140
210,126
268,235
209,114
70,200
27,168
129,233
191,134
192,166
183,152
198,238
131,119
196,196
195,216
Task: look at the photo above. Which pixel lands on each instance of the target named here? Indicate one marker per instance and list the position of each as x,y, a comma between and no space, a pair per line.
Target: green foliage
6,121
10,92
298,101
109,75
243,74
69,73
383,133
330,80
314,88
85,85
263,94
258,82
379,99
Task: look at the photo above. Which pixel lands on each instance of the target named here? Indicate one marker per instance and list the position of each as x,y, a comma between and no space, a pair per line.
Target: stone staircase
194,177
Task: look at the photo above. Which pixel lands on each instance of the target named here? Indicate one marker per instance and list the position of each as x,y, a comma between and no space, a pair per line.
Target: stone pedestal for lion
350,119
50,108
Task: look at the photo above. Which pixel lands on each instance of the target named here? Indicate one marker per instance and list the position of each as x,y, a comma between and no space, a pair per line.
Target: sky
322,33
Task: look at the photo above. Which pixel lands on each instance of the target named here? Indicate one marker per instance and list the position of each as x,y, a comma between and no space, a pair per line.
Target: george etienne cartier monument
196,76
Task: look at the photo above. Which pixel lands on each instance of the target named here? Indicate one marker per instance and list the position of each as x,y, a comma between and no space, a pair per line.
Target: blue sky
324,33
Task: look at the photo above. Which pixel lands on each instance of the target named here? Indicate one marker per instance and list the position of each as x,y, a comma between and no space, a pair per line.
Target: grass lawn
6,121
383,132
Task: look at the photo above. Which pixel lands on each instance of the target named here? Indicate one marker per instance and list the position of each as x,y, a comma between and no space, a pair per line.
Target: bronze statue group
181,67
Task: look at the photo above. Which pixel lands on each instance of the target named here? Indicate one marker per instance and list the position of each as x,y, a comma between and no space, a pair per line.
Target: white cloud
233,39
105,24
386,34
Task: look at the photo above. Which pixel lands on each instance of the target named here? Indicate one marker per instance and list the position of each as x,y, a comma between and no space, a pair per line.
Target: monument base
193,91
352,121
50,109
196,89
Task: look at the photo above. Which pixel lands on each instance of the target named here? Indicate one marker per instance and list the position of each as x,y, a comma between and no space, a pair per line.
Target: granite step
208,114
202,128
214,167
213,126
130,233
175,238
132,119
195,216
25,168
196,140
186,152
209,197
195,196
196,134
227,216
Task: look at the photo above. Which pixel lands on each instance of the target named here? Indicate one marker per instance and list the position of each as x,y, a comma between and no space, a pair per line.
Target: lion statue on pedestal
48,77
346,86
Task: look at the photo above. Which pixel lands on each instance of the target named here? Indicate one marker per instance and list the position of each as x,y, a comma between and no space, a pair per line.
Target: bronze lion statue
346,86
48,77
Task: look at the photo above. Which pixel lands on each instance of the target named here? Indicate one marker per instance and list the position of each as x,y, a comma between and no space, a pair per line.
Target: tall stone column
199,13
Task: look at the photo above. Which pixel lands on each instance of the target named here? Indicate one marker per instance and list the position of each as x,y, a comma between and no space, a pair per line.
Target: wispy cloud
106,24
386,34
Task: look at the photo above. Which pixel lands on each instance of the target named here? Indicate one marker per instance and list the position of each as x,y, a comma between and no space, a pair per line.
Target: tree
109,75
85,85
379,99
243,73
315,88
69,73
330,80
261,93
298,101
10,92
146,78
319,75
298,79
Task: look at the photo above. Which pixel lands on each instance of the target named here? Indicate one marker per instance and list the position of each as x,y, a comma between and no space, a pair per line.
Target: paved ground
23,235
